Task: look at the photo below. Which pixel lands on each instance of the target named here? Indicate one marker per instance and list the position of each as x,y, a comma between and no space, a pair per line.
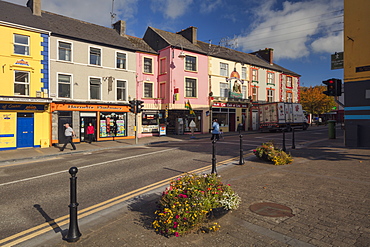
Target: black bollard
284,149
214,156
293,140
73,231
241,159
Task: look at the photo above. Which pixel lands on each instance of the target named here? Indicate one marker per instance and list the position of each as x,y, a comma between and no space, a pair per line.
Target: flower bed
268,152
185,205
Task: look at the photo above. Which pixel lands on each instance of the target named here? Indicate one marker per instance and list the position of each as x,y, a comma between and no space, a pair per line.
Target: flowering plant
184,205
268,152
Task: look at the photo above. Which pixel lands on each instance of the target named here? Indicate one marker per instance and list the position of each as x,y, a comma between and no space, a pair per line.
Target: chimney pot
35,6
120,27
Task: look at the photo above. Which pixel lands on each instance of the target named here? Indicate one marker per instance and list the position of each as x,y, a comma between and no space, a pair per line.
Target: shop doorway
232,122
25,128
64,117
84,122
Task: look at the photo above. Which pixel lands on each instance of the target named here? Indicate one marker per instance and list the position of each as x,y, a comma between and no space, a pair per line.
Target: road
38,192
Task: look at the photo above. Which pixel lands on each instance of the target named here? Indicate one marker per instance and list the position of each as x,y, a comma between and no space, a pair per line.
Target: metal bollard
241,159
73,231
284,148
293,140
214,156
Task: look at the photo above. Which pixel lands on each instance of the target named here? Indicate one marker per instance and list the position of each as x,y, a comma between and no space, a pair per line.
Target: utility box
331,124
44,143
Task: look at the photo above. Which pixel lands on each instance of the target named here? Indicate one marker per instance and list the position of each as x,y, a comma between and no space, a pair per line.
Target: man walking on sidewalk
69,134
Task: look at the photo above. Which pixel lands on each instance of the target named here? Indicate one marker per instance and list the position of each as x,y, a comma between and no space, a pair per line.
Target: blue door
24,130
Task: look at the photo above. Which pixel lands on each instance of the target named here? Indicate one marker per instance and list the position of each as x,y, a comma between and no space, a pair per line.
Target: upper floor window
255,75
162,64
270,95
148,90
289,82
244,92
95,56
21,44
148,65
289,97
224,89
190,87
224,69
95,88
254,94
65,51
21,83
64,86
190,63
244,73
121,90
121,60
270,78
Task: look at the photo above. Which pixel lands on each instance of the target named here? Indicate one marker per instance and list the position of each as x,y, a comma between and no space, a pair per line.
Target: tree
314,101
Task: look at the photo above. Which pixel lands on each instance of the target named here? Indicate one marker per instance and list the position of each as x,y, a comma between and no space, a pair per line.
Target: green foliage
268,152
185,204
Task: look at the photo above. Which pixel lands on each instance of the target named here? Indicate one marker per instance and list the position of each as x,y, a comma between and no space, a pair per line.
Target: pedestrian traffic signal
333,87
132,106
139,106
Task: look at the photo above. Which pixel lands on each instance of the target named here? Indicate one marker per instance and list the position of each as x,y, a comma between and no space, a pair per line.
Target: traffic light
139,106
132,106
333,87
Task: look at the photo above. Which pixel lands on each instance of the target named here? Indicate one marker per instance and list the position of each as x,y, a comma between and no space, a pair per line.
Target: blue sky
303,33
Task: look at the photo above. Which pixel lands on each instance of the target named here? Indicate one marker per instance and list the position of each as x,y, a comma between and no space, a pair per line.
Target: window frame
151,91
59,48
117,60
254,75
100,87
224,70
289,81
145,65
193,89
27,47
162,66
270,95
224,89
124,90
289,99
26,84
270,78
100,56
254,94
70,85
244,73
191,65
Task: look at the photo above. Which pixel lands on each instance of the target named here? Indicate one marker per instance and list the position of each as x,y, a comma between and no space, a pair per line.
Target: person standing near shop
69,134
215,130
90,132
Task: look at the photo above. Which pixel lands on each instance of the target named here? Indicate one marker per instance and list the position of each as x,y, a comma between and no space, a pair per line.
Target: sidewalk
326,187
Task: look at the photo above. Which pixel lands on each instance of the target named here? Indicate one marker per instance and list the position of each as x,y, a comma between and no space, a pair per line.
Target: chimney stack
190,34
267,54
120,27
35,6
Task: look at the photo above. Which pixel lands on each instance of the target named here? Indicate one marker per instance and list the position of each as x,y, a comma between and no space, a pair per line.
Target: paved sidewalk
327,188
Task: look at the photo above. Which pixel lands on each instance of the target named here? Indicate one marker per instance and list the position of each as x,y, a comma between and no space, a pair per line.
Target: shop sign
234,105
81,107
22,107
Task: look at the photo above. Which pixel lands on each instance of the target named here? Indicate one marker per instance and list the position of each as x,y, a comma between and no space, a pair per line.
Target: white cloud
171,8
207,6
294,29
330,44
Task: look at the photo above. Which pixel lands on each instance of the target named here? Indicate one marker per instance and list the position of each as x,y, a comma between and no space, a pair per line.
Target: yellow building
24,76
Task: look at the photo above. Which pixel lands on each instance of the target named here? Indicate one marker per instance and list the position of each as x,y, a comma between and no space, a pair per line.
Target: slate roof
238,56
64,26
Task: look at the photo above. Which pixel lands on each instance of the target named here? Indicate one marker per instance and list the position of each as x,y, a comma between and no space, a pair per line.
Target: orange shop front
110,121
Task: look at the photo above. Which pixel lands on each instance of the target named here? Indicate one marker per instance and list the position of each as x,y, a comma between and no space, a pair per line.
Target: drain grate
271,209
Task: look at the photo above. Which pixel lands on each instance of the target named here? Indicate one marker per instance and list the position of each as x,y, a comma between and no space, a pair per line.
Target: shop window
121,90
148,65
121,60
95,56
190,87
148,90
112,124
95,88
222,119
21,83
65,51
224,89
64,86
224,69
150,122
190,63
21,44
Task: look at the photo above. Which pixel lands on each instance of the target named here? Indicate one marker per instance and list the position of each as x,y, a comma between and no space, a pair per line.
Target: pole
293,139
136,139
214,156
284,149
73,231
241,159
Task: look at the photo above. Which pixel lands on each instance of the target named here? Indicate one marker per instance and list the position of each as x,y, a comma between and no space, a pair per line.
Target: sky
303,33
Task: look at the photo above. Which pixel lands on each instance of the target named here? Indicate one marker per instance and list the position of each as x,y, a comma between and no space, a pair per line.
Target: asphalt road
38,192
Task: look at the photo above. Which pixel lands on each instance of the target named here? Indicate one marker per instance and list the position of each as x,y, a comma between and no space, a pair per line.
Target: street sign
337,60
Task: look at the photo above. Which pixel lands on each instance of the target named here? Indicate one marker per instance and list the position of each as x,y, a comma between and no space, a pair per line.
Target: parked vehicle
282,115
